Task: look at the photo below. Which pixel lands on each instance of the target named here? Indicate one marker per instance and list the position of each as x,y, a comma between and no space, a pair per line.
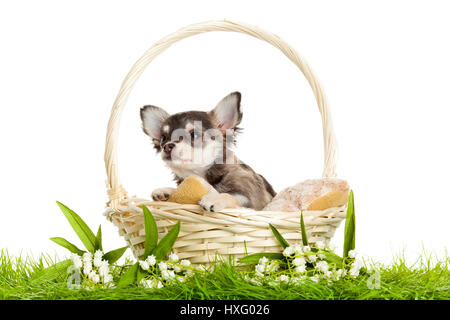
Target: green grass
427,279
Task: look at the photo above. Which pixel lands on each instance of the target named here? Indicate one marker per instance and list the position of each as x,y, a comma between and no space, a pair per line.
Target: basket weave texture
233,232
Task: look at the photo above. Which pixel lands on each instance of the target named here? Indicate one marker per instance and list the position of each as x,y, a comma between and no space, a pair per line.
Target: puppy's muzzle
168,147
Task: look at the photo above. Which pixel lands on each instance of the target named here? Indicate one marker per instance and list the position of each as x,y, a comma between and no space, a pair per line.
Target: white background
384,66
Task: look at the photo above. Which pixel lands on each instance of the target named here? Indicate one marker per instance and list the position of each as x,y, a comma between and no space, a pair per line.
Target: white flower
151,260
297,280
144,265
263,261
87,257
352,254
289,251
273,266
152,283
107,278
98,254
300,269
87,268
321,256
354,272
94,277
168,274
306,249
189,273
357,264
97,262
339,274
298,250
260,268
159,284
104,264
320,245
76,261
322,266
331,247
173,257
299,261
283,278
103,270
311,258
314,278
162,266
328,274
185,263
255,281
176,268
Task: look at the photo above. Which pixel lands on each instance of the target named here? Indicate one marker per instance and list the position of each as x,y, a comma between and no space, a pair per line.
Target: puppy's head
194,139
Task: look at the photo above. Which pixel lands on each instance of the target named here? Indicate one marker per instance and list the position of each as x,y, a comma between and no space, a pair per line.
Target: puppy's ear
152,118
227,114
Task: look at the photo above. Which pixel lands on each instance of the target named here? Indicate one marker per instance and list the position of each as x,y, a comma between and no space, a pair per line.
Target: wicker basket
233,231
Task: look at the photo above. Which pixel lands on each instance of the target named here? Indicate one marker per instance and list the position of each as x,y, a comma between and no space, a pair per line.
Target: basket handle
116,192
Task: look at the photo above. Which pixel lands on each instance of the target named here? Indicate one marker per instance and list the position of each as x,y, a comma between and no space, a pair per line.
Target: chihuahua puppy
199,143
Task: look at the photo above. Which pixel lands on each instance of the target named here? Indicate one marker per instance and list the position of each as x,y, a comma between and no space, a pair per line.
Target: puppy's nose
168,147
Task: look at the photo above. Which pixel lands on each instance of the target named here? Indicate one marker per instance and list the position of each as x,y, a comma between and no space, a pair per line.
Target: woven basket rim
203,236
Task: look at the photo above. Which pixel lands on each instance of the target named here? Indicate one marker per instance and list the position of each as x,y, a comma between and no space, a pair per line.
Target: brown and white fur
199,143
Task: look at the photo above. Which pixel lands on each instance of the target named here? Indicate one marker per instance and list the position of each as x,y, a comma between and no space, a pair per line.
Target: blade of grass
69,246
303,228
114,255
167,242
98,238
349,232
52,273
151,232
279,237
254,258
80,227
129,277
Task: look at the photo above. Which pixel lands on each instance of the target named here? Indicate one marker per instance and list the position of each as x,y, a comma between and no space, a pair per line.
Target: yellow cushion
335,198
190,191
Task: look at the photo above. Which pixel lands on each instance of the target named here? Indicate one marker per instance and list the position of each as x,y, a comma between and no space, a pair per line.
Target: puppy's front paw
215,202
162,194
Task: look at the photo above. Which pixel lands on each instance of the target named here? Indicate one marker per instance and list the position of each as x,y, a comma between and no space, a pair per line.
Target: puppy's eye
163,138
195,135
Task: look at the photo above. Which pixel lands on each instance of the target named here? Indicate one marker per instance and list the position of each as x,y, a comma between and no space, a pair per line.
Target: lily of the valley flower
185,263
173,257
151,260
76,261
320,245
144,265
352,254
322,266
162,266
283,278
289,251
300,261
263,261
152,284
300,269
